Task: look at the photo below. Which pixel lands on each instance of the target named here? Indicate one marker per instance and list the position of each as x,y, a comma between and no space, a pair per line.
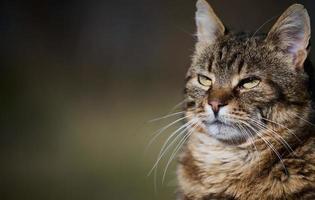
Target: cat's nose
216,105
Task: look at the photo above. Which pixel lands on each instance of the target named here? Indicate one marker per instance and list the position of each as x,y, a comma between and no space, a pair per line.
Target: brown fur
275,162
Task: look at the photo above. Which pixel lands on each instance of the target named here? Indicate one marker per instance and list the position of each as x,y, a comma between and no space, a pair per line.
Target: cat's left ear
291,33
209,26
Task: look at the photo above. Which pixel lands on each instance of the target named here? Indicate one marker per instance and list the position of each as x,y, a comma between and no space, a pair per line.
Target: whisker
154,168
290,131
261,26
162,154
310,123
280,138
166,116
177,105
179,145
184,127
243,130
164,150
236,126
246,132
160,131
250,136
268,144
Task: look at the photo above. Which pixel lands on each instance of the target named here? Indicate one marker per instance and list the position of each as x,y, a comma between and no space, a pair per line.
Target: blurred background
79,81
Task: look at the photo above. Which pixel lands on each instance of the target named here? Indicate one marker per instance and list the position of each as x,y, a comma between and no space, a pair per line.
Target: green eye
250,83
205,81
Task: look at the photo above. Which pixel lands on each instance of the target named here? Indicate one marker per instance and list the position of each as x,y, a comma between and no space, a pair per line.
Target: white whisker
250,137
176,149
261,26
185,127
166,116
164,150
290,131
310,123
160,131
280,138
177,105
268,144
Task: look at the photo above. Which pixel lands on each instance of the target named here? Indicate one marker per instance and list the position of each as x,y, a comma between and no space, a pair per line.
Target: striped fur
277,159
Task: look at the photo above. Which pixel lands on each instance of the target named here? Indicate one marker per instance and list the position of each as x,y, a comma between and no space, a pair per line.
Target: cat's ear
291,33
209,26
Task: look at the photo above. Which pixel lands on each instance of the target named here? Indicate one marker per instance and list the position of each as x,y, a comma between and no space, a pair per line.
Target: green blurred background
80,79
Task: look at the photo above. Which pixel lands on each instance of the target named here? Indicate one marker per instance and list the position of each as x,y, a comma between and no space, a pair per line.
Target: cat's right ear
291,33
209,26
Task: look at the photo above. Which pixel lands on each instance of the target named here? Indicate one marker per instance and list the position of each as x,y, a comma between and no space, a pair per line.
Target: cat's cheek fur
279,110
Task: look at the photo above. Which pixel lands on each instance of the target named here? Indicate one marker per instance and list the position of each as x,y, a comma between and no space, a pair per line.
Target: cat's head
239,82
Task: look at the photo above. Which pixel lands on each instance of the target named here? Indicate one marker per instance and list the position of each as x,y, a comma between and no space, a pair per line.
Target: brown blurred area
80,79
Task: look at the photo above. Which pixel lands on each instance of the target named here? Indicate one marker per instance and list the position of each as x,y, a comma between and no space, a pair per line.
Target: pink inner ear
291,33
299,58
297,47
297,42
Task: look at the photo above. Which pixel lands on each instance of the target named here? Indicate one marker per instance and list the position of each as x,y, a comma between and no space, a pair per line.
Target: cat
249,110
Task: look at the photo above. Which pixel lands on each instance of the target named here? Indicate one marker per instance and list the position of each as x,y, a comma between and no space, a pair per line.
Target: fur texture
250,98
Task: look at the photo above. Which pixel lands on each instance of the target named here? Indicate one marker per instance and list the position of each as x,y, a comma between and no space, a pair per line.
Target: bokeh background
80,79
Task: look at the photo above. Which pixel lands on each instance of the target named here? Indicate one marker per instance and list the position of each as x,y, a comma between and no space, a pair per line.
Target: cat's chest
212,167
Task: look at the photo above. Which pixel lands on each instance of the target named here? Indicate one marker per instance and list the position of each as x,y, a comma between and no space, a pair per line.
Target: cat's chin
225,133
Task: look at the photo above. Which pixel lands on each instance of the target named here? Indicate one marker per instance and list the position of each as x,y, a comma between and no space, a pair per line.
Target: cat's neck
217,164
214,152
271,144
207,161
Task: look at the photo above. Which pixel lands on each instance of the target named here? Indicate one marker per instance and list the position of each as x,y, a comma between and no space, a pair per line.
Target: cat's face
237,82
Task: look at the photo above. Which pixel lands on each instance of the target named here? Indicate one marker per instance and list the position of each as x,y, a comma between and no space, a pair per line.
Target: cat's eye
205,81
249,83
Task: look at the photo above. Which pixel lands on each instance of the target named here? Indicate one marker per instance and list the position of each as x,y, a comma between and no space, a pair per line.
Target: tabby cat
249,106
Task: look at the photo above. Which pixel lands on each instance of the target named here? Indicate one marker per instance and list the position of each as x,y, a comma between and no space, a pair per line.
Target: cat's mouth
216,122
222,130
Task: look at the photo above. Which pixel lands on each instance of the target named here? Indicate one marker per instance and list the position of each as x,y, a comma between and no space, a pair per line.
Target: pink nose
216,104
